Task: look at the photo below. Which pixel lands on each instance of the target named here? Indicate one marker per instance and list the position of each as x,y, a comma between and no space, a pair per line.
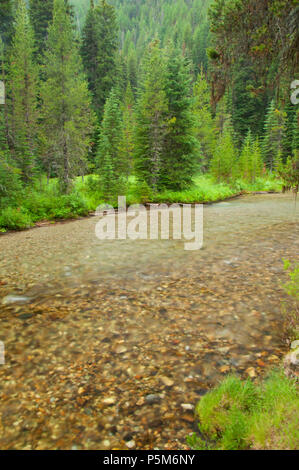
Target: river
116,341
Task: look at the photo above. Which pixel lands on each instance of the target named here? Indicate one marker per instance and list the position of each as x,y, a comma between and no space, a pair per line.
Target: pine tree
223,162
112,167
151,118
3,133
204,125
244,162
90,48
290,112
250,163
127,143
6,21
67,117
23,87
295,141
41,16
179,157
273,134
98,51
132,70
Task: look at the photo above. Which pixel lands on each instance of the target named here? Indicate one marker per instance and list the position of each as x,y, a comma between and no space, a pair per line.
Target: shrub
14,219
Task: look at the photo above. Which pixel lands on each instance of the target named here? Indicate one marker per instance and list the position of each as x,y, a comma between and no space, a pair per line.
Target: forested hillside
185,22
146,97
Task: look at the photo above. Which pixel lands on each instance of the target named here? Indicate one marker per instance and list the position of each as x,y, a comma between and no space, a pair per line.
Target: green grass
44,202
239,415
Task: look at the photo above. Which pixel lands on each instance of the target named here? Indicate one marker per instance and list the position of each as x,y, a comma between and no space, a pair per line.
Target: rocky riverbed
110,344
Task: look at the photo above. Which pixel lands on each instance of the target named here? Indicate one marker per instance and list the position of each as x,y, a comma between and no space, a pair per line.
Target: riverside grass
44,202
239,415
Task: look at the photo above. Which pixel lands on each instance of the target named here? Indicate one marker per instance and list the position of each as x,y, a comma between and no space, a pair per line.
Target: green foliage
224,158
289,173
178,162
10,183
204,125
111,160
240,415
151,117
99,52
23,87
250,164
6,23
41,15
273,134
67,120
14,219
292,286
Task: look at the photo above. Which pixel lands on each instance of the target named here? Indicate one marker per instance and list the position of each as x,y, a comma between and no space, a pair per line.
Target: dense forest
159,100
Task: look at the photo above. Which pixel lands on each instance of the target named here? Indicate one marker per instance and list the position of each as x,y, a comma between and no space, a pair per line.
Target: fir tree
290,112
41,14
67,117
99,48
6,21
112,167
250,163
127,143
23,87
179,157
273,134
223,162
151,118
204,125
107,50
295,141
90,48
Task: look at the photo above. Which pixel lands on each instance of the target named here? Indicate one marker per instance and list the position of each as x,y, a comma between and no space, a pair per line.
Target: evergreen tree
273,134
67,117
179,157
250,163
132,70
23,87
41,14
6,21
223,162
112,167
90,48
127,143
204,125
248,101
295,142
3,133
99,52
290,112
151,118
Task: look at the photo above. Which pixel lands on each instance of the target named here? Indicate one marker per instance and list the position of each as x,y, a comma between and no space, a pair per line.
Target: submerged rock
15,299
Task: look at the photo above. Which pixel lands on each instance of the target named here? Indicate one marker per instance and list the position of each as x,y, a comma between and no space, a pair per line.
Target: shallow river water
115,341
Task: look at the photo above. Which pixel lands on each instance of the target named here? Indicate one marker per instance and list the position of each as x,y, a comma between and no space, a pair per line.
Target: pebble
187,406
15,299
167,381
153,398
109,400
130,444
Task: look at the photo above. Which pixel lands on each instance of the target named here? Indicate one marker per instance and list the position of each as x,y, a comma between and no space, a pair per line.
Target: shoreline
48,222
